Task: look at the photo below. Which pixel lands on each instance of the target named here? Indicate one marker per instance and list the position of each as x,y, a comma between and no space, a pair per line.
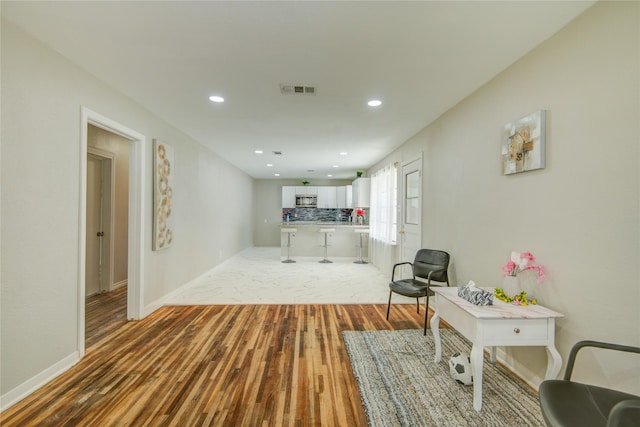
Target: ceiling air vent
277,153
288,89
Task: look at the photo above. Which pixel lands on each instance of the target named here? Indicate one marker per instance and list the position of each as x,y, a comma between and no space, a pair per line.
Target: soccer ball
460,368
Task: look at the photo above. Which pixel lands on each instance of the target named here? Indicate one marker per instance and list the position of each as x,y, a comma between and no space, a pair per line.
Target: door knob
100,234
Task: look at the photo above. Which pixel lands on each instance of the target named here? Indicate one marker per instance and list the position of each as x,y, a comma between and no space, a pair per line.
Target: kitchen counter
308,241
325,224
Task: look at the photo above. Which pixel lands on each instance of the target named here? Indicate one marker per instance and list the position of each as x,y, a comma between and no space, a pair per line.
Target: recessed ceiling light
216,98
276,174
336,166
258,151
269,165
374,103
329,175
344,153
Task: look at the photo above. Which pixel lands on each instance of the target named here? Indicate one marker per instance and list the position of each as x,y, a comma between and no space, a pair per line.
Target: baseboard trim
120,284
12,397
519,369
148,309
160,302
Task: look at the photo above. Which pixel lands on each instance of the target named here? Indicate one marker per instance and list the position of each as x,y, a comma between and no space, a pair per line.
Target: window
383,222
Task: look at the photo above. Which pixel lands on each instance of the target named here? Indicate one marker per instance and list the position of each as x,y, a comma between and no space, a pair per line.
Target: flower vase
360,220
511,286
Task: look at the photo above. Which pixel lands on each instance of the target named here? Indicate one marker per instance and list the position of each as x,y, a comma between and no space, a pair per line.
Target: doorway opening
106,233
108,265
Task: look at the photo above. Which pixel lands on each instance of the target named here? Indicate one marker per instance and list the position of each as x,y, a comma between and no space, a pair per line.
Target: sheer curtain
383,217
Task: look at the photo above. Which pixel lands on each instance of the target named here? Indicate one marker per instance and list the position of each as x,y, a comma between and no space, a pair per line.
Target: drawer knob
516,330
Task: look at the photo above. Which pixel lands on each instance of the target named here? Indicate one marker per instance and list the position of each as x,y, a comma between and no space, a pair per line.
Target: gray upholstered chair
568,403
428,265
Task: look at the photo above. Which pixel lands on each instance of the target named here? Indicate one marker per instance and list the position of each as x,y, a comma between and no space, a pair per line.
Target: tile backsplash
314,214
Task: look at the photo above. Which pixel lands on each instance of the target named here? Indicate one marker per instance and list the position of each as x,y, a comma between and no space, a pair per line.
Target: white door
411,210
95,232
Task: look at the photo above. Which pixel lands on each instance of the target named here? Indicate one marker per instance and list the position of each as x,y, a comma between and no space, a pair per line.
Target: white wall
42,95
580,215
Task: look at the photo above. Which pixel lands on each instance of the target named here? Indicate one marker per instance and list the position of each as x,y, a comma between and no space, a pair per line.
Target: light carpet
401,385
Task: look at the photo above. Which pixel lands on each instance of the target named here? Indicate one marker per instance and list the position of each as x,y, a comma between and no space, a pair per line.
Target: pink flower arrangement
360,212
521,262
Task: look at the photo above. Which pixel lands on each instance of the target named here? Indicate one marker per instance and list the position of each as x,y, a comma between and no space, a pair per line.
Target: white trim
119,285
148,309
12,397
137,223
167,299
518,368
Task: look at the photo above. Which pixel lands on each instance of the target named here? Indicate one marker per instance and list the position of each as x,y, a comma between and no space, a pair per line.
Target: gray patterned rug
401,385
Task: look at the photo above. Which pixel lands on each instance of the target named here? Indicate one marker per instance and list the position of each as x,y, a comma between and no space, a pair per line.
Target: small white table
500,324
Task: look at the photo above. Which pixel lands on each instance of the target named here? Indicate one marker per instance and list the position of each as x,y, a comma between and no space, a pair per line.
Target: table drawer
515,331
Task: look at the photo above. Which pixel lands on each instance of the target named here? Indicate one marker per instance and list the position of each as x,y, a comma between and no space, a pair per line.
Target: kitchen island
308,241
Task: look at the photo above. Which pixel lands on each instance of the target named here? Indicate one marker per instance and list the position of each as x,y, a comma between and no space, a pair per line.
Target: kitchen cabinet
361,189
341,197
288,197
307,190
327,198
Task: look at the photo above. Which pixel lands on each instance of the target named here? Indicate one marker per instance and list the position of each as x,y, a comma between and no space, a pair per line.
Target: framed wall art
523,144
163,177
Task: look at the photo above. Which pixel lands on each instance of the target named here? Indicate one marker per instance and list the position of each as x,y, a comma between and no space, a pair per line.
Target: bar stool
326,232
361,231
289,232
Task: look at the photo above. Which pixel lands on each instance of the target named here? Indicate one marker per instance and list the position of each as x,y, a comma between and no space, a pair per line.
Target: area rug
401,385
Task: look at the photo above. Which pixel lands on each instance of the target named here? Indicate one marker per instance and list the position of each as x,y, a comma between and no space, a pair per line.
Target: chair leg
417,305
426,315
389,306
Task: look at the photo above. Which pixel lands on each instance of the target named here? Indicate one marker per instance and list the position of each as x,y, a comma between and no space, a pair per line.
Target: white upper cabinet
307,190
288,197
361,192
327,198
341,197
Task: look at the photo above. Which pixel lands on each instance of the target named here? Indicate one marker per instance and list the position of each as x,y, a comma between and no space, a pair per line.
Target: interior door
93,267
411,210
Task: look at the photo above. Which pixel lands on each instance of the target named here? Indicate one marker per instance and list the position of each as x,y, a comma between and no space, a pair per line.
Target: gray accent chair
428,265
568,403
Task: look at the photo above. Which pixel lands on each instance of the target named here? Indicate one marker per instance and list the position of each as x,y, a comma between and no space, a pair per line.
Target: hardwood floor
105,313
243,365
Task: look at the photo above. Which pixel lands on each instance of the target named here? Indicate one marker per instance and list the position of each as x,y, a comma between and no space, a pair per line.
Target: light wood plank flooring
105,313
239,365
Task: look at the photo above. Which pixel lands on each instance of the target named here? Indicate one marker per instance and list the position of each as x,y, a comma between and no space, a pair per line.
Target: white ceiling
419,58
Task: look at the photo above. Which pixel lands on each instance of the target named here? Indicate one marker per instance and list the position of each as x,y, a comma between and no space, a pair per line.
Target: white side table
500,324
